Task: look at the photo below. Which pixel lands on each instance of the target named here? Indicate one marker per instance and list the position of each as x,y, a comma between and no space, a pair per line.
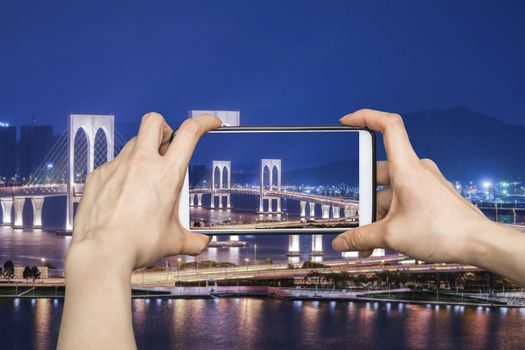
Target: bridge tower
317,247
273,166
220,180
90,124
293,246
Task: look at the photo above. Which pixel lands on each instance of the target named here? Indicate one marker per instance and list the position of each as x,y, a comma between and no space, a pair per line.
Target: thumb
193,243
363,238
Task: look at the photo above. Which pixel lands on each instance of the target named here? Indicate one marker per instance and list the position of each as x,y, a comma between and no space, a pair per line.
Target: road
274,271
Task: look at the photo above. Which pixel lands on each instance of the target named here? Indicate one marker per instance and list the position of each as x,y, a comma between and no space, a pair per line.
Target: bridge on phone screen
315,210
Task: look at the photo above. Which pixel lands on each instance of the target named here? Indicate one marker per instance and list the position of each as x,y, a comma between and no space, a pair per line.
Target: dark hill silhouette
329,174
468,145
465,144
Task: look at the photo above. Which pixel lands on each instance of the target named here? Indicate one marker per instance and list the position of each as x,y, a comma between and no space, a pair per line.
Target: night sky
278,62
301,150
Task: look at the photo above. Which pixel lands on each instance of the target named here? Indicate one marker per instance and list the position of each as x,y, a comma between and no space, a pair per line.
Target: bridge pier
18,204
335,212
293,246
7,205
317,246
303,208
38,203
234,238
270,205
312,210
199,200
350,211
192,198
353,254
326,211
212,203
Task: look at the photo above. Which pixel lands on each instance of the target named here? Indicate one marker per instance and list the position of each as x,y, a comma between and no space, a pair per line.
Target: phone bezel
184,207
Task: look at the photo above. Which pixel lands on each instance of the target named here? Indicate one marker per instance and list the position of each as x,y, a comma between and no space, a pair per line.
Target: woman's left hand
129,208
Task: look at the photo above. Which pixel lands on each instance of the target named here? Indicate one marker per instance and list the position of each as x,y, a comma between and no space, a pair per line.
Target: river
252,323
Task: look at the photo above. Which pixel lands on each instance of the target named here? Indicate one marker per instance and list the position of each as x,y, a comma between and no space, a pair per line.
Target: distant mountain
465,144
468,145
328,174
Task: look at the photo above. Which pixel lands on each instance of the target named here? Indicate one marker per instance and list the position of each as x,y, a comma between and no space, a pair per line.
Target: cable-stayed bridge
88,142
215,192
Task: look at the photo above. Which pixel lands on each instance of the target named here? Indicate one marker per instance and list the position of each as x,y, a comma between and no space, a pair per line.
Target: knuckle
152,117
395,120
429,162
389,238
357,240
191,127
364,111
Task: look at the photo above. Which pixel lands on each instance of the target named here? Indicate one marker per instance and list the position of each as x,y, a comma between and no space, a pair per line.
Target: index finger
153,132
397,144
186,138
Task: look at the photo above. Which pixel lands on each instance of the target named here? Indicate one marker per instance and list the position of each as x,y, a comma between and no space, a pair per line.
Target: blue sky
278,62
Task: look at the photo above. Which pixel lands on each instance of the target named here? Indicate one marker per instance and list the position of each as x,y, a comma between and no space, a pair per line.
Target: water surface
250,323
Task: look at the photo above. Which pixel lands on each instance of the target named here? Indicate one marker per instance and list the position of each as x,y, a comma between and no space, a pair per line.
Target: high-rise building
7,150
35,143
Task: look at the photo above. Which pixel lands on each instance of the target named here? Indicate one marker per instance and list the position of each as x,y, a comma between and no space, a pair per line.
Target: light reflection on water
248,323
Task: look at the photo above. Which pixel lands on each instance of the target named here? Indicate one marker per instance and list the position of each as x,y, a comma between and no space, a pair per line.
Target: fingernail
342,119
209,239
339,244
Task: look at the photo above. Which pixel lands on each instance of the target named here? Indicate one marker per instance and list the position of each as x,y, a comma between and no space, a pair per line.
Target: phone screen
285,180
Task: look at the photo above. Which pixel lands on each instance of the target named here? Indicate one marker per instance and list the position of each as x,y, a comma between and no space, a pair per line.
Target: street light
178,269
255,254
43,260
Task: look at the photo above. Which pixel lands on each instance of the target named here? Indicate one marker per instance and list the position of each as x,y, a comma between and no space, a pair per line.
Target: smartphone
280,180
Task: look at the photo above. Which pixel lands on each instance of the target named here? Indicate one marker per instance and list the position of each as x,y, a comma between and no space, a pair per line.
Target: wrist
98,257
483,242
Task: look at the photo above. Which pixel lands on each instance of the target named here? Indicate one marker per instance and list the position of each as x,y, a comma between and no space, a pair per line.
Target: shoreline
284,294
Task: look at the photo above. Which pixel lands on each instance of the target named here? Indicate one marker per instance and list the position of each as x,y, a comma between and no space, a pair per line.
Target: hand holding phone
420,213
